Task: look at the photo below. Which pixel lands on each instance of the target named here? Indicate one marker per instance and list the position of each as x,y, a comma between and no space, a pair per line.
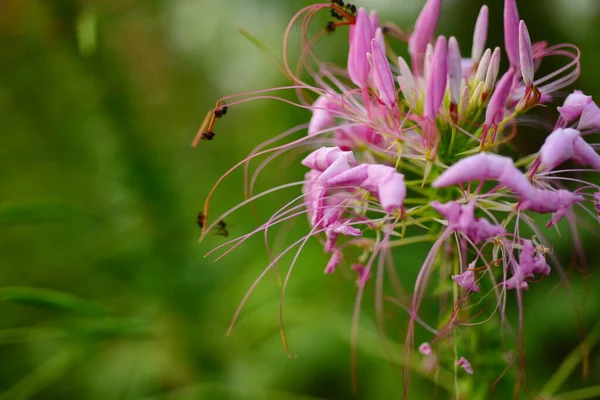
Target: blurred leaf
44,375
53,299
87,28
32,213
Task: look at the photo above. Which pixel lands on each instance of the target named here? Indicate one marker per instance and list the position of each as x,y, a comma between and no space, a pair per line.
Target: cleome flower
400,152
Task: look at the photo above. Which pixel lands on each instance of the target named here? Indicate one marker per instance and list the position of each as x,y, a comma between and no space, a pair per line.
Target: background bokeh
105,292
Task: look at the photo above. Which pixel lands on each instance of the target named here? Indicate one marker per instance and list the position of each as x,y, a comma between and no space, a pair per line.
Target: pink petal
437,79
465,365
382,75
484,166
466,280
511,31
360,43
525,54
454,70
497,106
424,29
573,106
480,35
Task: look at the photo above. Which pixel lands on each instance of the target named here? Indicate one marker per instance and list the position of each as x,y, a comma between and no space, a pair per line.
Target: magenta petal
574,105
525,54
564,144
334,261
362,34
382,181
590,117
511,31
465,365
424,29
497,105
484,166
425,349
437,79
323,158
480,35
466,280
454,70
323,109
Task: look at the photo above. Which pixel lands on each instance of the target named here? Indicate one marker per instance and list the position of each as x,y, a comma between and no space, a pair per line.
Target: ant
221,229
206,129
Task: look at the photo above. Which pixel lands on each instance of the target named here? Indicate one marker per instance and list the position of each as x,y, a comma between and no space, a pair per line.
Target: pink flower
565,144
574,105
461,218
465,365
425,349
466,280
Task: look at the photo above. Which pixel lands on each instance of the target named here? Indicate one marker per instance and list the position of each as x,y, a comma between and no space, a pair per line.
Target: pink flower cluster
408,152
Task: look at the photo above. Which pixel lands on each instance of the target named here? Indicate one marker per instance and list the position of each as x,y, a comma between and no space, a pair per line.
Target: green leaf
51,299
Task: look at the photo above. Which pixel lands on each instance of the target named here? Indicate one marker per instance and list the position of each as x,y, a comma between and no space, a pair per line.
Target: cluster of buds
408,152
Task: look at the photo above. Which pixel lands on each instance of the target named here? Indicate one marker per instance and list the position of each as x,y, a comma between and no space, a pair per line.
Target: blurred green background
105,292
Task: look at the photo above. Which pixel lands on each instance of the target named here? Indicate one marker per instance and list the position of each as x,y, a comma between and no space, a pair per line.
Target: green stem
581,394
571,362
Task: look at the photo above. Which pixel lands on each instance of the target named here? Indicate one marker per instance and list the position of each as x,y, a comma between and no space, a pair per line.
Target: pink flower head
466,280
437,79
564,144
424,29
597,203
425,349
461,218
484,166
324,110
382,75
465,365
574,105
511,32
531,263
382,181
480,35
497,106
525,54
360,44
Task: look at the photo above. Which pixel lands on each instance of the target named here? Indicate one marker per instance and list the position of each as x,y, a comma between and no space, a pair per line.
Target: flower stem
571,362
